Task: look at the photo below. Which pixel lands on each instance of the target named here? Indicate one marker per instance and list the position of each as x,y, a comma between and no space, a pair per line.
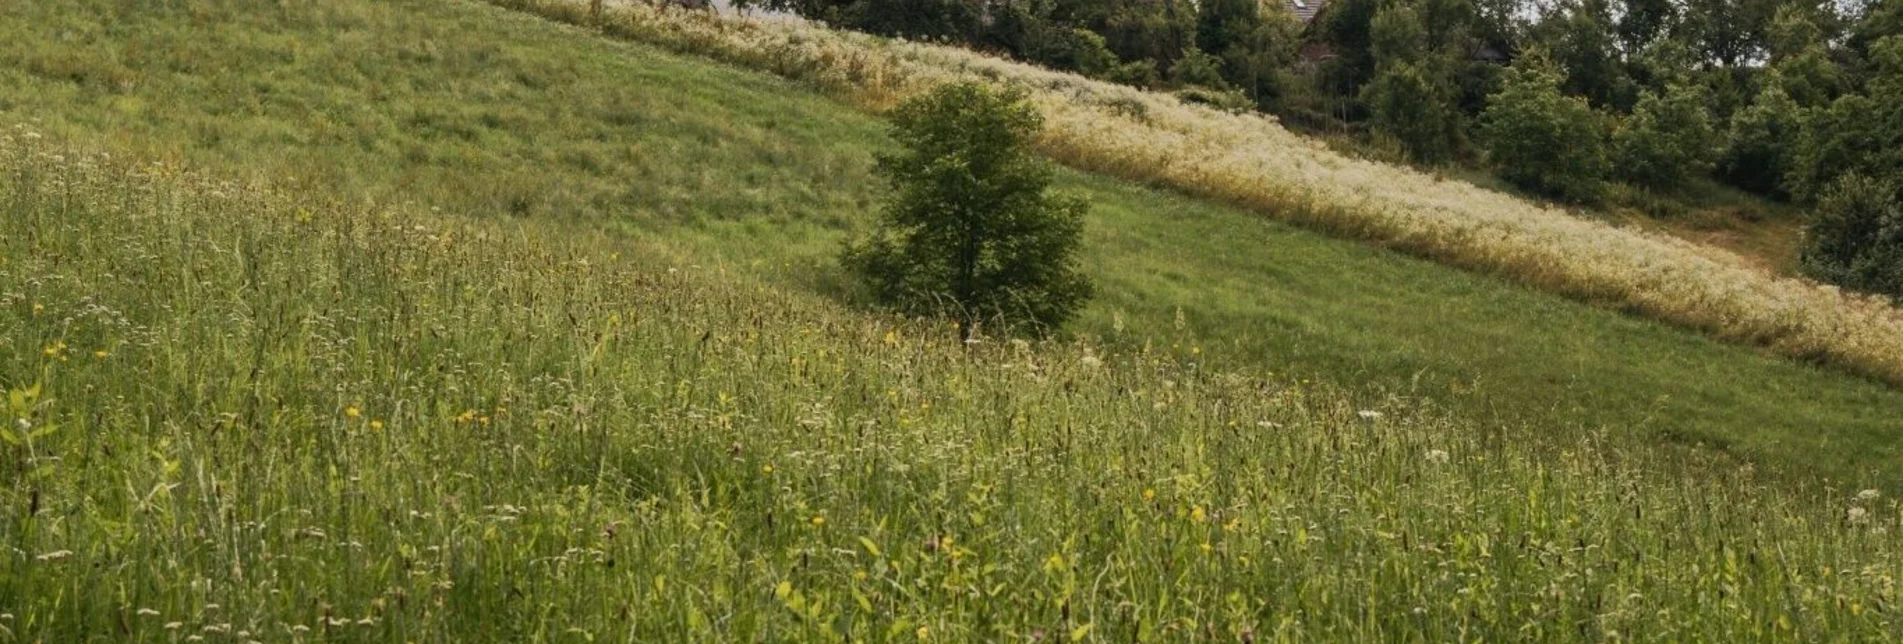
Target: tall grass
239,414
1251,161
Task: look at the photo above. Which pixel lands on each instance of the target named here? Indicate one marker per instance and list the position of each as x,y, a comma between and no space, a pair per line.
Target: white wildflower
1438,456
1368,414
1868,495
1858,515
147,612
173,626
55,555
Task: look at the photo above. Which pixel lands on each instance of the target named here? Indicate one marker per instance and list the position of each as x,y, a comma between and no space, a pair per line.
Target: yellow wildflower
1198,515
376,425
352,411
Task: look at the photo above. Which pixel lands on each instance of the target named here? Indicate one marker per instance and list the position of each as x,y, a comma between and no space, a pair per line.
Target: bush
1080,50
1543,140
1762,143
970,232
1668,139
1856,236
1415,109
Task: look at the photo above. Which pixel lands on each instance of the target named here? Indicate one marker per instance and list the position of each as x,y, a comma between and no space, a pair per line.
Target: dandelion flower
1149,494
101,354
1198,515
376,425
924,632
819,520
352,411
766,469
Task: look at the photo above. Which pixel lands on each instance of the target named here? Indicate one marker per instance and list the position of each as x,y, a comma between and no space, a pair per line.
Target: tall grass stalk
238,414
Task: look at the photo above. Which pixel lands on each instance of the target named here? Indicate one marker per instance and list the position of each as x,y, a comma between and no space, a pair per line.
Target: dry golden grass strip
1251,161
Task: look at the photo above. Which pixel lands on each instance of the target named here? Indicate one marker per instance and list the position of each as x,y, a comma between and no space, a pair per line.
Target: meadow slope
487,113
240,414
1251,161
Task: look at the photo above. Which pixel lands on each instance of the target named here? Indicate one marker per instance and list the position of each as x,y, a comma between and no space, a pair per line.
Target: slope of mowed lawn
477,110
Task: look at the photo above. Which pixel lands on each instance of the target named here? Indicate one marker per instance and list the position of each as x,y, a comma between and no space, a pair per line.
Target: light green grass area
483,112
526,335
239,415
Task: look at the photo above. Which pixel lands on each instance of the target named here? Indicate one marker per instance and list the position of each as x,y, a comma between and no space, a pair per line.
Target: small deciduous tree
1762,143
1541,139
1856,236
1668,139
971,231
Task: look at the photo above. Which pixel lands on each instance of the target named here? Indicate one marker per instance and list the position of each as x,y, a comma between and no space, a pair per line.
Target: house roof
1304,9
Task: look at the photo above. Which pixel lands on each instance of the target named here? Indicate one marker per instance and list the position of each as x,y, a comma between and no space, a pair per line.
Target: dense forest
1575,100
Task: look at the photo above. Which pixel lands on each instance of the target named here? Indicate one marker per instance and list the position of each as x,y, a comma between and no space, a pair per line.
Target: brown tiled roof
1304,9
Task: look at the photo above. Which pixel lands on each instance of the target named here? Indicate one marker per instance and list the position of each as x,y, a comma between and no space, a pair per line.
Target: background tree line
1798,100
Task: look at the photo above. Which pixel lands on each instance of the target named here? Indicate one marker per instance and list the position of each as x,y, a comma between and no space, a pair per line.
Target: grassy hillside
481,112
238,414
1255,163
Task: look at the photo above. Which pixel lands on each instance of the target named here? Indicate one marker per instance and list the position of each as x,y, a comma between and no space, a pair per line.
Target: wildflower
1149,494
1368,414
1091,361
819,520
173,626
1437,456
376,425
146,612
924,633
1198,515
101,354
1868,495
766,469
352,411
1858,515
1206,548
55,555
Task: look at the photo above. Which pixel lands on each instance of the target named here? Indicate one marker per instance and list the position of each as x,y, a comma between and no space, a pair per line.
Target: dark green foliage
1667,141
1542,139
1860,134
1346,26
1582,40
1856,236
970,232
1414,108
1223,24
1763,143
1200,69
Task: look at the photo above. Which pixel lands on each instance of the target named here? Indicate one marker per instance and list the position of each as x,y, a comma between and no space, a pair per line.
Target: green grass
244,415
524,335
482,112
